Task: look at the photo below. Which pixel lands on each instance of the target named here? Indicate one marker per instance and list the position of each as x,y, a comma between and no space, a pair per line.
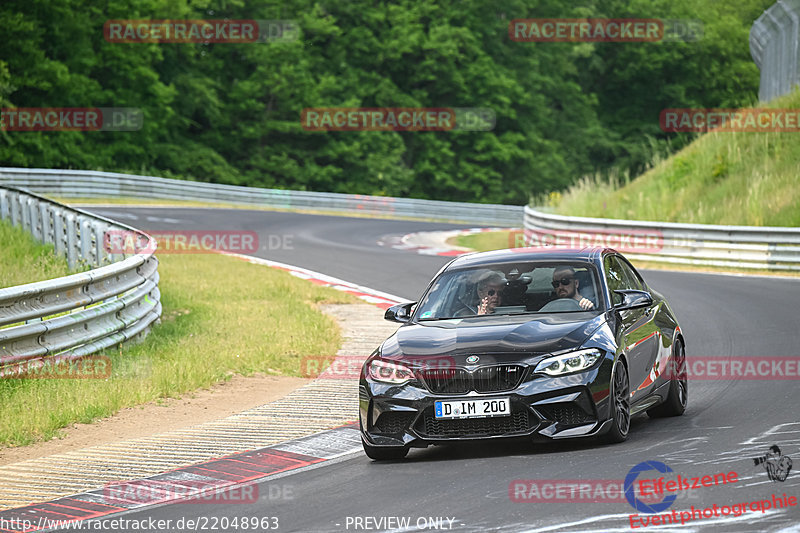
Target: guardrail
775,47
70,317
768,248
697,244
92,184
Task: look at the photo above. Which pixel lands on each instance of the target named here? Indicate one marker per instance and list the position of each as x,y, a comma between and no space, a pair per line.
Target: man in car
566,285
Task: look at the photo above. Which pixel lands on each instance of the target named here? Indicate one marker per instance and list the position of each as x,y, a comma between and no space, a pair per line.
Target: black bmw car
520,343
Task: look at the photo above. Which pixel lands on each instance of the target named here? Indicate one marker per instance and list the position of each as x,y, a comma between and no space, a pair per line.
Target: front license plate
472,408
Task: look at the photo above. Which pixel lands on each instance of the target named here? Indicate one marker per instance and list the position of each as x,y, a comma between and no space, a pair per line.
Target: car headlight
568,363
386,372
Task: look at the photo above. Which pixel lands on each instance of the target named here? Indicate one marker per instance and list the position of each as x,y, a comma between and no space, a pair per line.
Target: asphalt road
727,424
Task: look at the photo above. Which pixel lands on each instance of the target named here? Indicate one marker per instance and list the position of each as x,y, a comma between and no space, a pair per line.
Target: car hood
502,334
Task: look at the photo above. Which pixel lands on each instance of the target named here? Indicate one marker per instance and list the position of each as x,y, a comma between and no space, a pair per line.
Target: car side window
634,281
615,278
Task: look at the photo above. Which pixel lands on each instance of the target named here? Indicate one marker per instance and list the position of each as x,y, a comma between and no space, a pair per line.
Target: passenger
490,286
488,289
566,286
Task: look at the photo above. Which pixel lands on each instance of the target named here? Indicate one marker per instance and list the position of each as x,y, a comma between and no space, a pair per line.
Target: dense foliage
229,113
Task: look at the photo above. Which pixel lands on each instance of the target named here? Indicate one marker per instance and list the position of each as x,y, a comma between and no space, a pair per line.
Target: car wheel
384,453
678,394
620,406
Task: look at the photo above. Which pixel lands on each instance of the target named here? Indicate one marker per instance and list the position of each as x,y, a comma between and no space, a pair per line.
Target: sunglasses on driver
562,281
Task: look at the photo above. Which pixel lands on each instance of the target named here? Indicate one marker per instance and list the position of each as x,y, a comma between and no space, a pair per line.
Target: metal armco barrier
697,244
775,47
768,248
89,184
70,317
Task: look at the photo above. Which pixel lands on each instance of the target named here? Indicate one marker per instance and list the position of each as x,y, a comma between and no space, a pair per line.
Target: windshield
509,289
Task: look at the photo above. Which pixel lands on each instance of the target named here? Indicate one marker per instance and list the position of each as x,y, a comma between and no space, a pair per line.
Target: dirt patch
225,399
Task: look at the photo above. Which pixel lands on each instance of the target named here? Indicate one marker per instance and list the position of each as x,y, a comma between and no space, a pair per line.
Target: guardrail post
100,254
15,208
72,241
85,236
5,208
47,226
37,225
59,237
27,223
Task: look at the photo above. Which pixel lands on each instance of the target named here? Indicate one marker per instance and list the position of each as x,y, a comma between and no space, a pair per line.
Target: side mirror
632,299
400,312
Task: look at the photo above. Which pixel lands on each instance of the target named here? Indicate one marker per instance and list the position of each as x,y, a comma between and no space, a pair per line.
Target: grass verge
484,241
24,260
222,316
721,178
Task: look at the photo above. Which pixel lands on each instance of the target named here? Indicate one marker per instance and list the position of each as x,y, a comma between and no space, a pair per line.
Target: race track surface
728,422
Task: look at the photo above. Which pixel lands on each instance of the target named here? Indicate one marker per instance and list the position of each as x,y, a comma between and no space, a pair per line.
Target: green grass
720,178
484,241
24,260
222,316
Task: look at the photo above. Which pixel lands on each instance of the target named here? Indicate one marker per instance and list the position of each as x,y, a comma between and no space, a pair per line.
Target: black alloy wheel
621,406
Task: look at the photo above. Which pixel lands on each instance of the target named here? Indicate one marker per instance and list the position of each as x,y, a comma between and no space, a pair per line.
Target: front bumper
577,405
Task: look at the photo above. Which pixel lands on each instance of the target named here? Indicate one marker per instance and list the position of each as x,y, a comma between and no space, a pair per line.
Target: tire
620,406
384,453
678,395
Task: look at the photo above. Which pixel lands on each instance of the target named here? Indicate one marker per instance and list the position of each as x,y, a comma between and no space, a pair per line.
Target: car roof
589,254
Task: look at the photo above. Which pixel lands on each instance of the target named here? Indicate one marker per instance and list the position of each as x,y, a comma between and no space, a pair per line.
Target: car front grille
520,421
392,422
447,380
496,378
565,413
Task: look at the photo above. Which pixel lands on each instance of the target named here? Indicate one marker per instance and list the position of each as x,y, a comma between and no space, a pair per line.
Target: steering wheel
562,304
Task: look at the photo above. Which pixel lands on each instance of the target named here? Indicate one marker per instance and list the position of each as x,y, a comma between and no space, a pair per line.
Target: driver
566,286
